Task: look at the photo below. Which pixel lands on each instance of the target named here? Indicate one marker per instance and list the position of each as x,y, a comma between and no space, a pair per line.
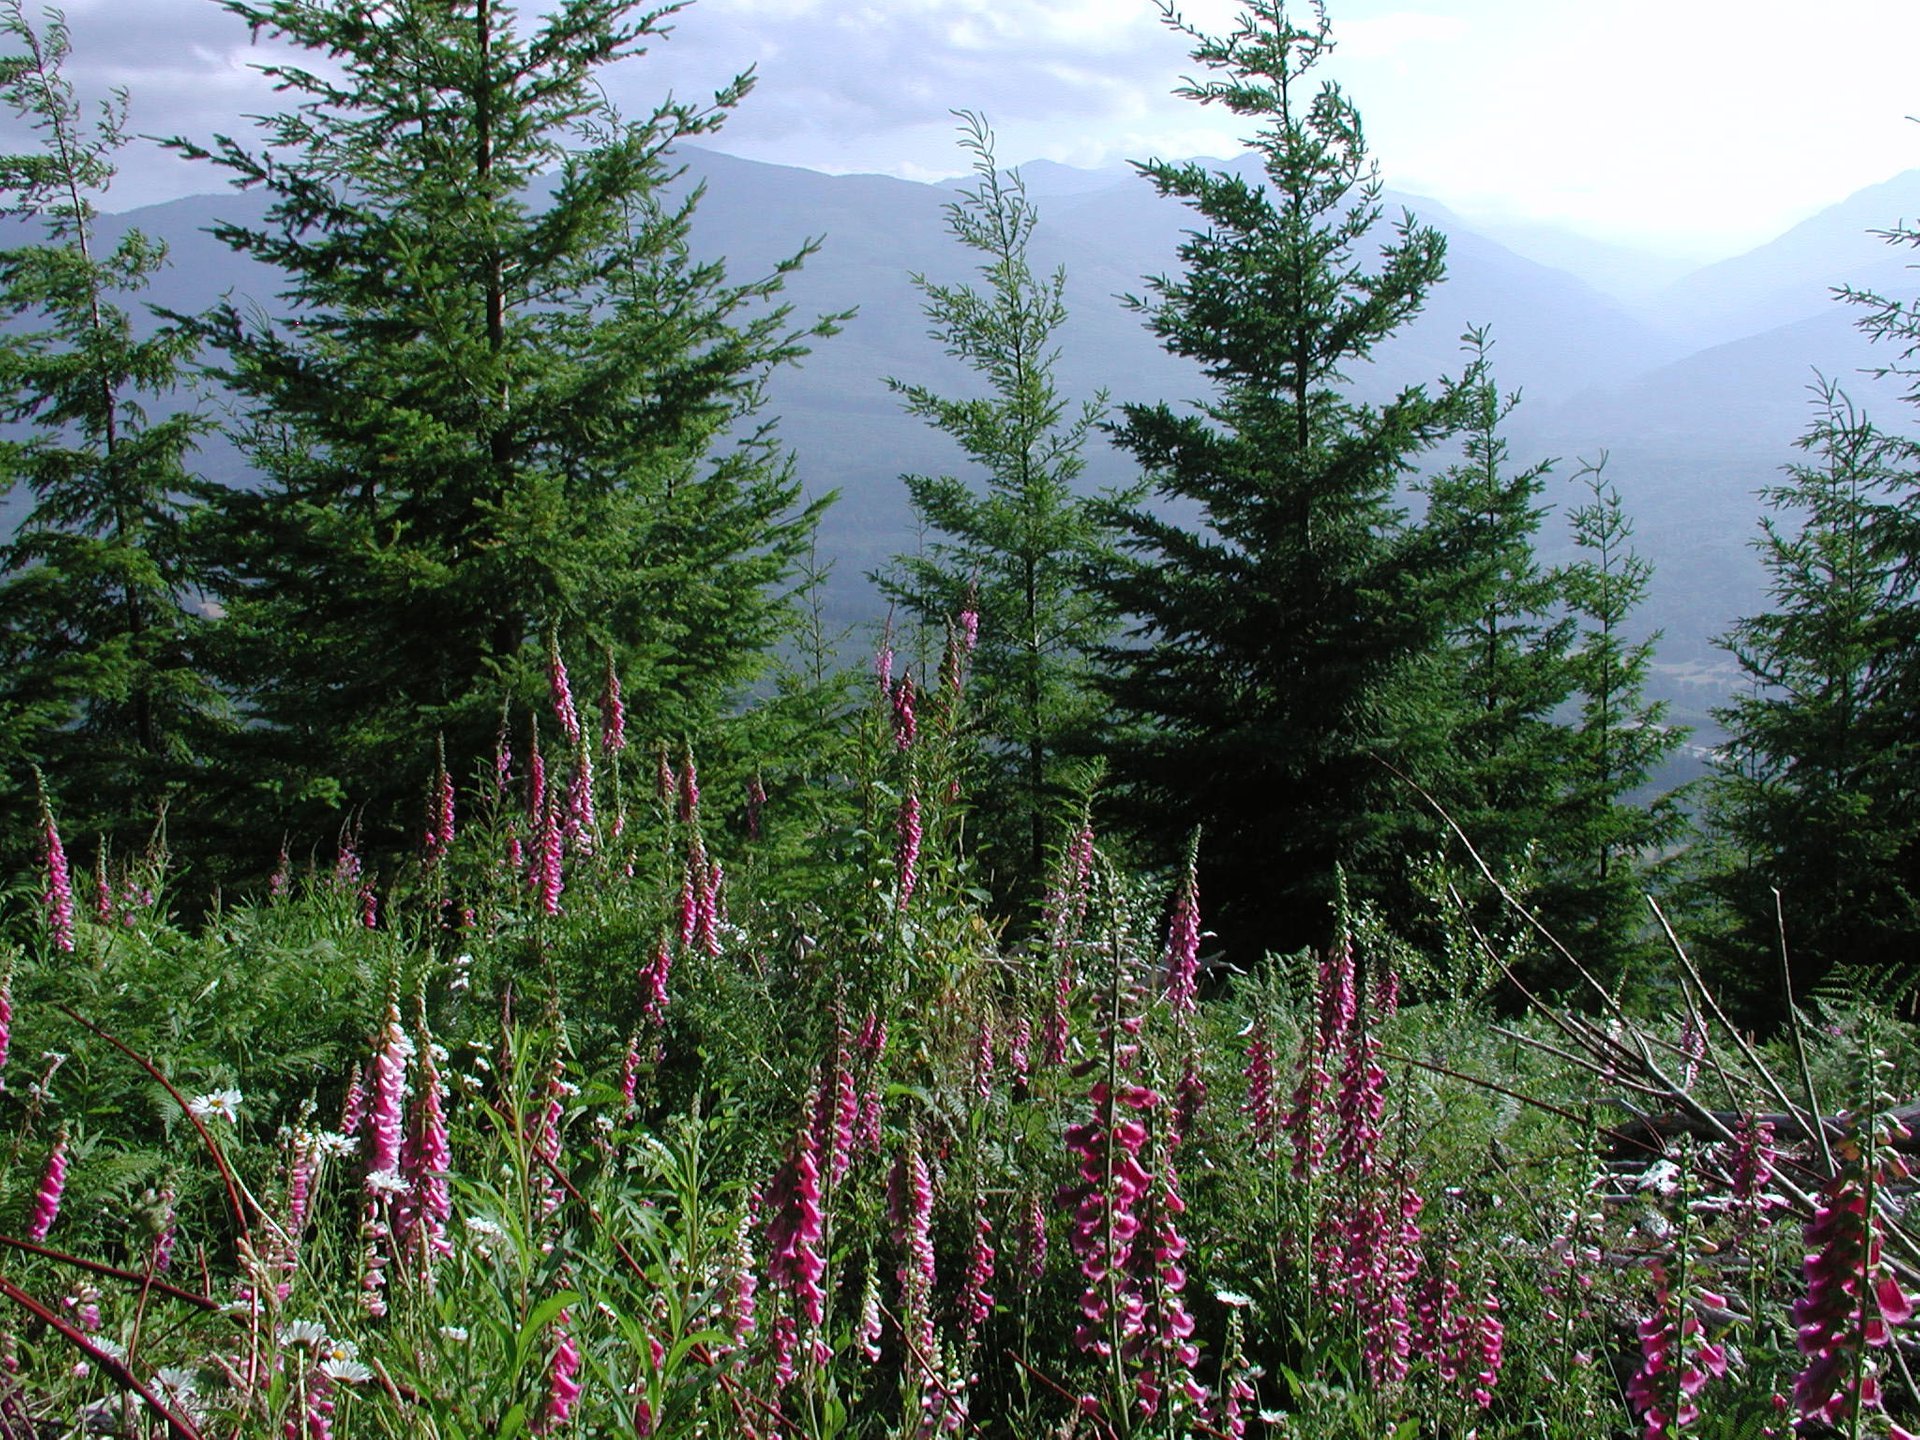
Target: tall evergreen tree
1813,795
97,681
1504,674
1017,552
501,401
1278,638
1609,833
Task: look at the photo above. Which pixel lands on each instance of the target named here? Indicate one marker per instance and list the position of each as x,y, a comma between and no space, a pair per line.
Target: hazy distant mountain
1620,271
1793,277
1693,430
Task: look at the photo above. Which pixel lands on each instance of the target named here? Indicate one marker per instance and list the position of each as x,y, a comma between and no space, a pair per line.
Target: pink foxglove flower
549,859
613,712
102,888
440,812
1183,946
872,1045
871,1329
1675,1362
1020,1058
581,822
536,777
563,1378
975,1301
795,1229
654,977
756,803
6,1020
983,1057
1490,1337
1258,1107
910,1201
426,1161
168,1235
907,846
281,880
1853,1301
689,788
386,1117
561,693
630,1073
906,727
970,628
1750,1173
53,1184
353,1109
741,1283
58,898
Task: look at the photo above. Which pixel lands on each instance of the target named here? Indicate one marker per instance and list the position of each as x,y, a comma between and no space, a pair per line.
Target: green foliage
1610,835
1812,796
500,404
98,685
1505,670
1017,554
1278,641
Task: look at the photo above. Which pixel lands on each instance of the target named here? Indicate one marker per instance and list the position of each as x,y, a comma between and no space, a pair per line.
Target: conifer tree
1015,554
1279,638
98,686
1505,672
501,402
1609,832
1813,793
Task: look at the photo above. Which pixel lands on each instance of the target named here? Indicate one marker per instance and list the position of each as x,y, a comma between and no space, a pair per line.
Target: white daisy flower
216,1105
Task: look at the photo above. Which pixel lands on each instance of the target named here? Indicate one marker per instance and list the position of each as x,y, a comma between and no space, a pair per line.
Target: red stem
177,1425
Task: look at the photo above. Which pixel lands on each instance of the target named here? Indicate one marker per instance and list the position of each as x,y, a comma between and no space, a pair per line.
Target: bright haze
1694,129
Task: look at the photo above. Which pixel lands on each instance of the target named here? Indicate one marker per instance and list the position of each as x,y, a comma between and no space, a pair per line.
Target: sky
1692,128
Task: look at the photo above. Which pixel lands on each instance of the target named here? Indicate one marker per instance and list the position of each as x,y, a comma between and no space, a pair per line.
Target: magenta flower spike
613,712
536,776
427,1159
53,1184
756,805
386,1115
737,1298
581,821
1490,1342
689,788
911,1201
975,1301
59,893
1853,1301
440,818
561,693
6,1020
1258,1107
870,1325
907,848
549,859
1183,946
983,1057
563,1377
970,628
1034,1238
102,889
905,727
795,1228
